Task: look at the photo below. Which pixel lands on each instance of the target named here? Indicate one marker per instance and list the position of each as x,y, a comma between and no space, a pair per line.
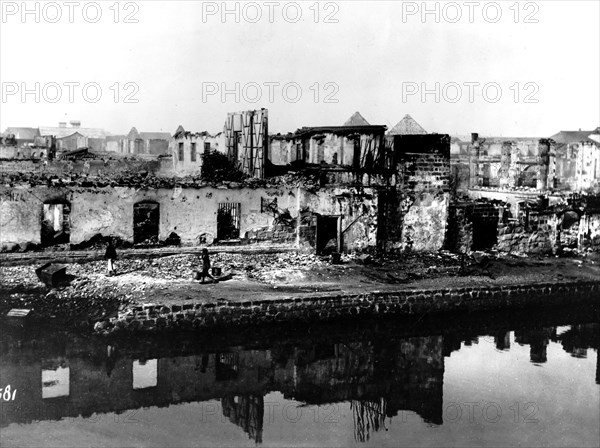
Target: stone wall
540,235
152,318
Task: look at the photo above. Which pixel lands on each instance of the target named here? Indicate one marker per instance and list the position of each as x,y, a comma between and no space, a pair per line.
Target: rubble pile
145,180
82,301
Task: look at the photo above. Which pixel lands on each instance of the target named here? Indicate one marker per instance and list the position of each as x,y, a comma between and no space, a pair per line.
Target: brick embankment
153,318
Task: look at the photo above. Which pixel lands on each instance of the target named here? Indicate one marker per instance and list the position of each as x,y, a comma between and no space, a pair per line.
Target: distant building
187,149
155,143
576,159
92,138
22,136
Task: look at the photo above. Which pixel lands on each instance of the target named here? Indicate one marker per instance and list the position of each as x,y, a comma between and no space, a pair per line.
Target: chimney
75,123
62,124
474,137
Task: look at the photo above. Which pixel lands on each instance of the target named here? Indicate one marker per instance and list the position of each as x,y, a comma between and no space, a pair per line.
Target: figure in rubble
205,267
110,256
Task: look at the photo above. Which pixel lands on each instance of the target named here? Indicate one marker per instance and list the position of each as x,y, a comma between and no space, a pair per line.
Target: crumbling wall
589,232
423,187
424,223
539,235
357,208
21,213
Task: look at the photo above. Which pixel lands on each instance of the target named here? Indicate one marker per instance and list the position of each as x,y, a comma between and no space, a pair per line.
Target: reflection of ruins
247,412
380,375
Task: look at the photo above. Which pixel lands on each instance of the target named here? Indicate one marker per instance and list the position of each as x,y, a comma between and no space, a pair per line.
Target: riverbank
279,287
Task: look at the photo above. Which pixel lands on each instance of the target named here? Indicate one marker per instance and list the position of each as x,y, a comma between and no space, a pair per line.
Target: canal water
516,379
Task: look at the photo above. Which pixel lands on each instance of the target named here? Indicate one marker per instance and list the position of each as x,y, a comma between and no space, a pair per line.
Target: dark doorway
485,233
56,224
146,219
228,221
327,235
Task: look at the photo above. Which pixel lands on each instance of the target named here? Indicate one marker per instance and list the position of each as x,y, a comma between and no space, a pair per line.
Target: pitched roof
59,132
74,134
23,133
407,126
356,120
573,137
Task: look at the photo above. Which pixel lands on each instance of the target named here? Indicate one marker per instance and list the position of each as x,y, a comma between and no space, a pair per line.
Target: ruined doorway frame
320,244
153,227
57,231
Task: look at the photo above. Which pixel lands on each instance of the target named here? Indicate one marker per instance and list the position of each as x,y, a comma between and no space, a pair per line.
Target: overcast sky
531,71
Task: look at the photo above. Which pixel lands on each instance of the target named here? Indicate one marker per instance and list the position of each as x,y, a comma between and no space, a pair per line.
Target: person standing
110,256
206,266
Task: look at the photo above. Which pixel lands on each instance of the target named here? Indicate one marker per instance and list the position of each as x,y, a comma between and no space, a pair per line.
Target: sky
502,68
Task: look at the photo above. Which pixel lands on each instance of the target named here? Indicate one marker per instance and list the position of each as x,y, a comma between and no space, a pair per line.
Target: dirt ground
91,294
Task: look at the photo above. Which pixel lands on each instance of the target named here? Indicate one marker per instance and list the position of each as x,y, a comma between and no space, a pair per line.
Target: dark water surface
526,378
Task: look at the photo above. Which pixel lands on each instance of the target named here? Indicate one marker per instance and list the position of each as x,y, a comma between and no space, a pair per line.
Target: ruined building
321,189
526,195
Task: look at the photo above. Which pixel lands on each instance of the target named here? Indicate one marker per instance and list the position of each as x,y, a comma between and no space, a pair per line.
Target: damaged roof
356,120
344,130
407,126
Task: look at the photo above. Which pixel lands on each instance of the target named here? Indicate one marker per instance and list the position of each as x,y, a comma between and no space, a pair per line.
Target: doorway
228,221
328,235
56,224
485,233
146,222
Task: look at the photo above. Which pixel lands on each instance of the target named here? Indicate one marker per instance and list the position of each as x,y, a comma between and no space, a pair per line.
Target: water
528,379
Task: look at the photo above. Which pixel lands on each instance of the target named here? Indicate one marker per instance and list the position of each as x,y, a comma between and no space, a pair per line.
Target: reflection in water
380,373
368,416
247,412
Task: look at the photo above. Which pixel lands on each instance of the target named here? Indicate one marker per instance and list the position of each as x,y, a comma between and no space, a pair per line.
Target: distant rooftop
565,137
356,120
64,131
407,126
